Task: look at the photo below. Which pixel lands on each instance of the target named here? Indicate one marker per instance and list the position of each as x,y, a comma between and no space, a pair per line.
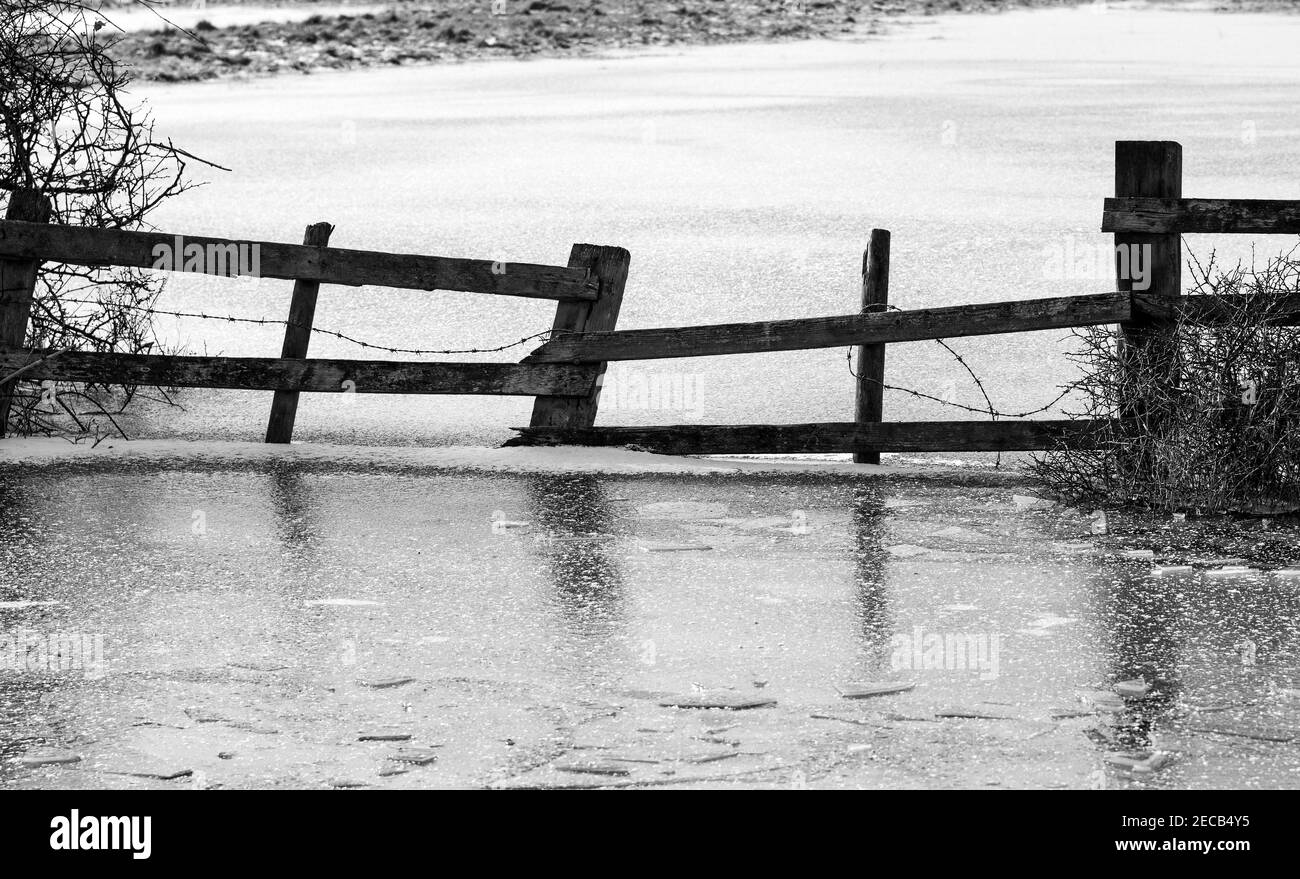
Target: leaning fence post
869,403
18,286
297,336
1147,169
608,265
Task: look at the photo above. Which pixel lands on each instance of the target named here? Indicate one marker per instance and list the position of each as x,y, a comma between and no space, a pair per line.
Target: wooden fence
588,291
565,373
1148,210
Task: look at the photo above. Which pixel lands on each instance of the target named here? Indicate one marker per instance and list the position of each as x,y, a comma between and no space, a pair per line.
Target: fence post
1147,169
297,336
18,286
869,403
609,266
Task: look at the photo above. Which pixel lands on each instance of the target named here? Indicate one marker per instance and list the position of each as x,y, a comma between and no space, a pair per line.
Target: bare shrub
69,136
1225,433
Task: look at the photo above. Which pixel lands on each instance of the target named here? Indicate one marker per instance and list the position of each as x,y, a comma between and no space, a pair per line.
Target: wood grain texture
325,265
1193,215
839,331
828,437
1211,310
297,340
322,376
609,266
18,285
1148,169
869,398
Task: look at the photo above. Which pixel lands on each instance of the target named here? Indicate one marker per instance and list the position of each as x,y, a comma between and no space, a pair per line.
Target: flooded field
448,614
295,623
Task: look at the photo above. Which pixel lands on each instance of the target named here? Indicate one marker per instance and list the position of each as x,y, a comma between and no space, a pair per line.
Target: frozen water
325,596
744,180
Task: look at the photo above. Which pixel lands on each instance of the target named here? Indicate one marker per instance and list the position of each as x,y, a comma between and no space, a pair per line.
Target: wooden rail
291,262
841,331
824,437
292,374
1166,215
1212,310
584,289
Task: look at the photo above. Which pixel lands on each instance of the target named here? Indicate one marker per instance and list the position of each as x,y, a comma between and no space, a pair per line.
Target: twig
13,375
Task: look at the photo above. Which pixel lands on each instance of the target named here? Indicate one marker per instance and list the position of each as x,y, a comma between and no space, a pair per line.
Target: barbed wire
995,413
989,409
264,321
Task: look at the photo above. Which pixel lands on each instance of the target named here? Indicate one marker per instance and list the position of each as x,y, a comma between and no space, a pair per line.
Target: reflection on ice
311,582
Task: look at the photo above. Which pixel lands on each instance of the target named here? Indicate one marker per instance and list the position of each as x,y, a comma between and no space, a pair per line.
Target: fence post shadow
872,601
292,502
574,535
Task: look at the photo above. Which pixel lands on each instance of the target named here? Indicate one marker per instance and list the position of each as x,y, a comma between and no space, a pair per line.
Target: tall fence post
870,399
18,286
297,337
1147,169
608,265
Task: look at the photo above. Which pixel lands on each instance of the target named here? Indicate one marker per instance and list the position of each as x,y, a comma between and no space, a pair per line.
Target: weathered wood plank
1211,310
1148,170
869,401
609,266
828,437
324,265
839,331
322,376
18,285
1260,216
297,339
